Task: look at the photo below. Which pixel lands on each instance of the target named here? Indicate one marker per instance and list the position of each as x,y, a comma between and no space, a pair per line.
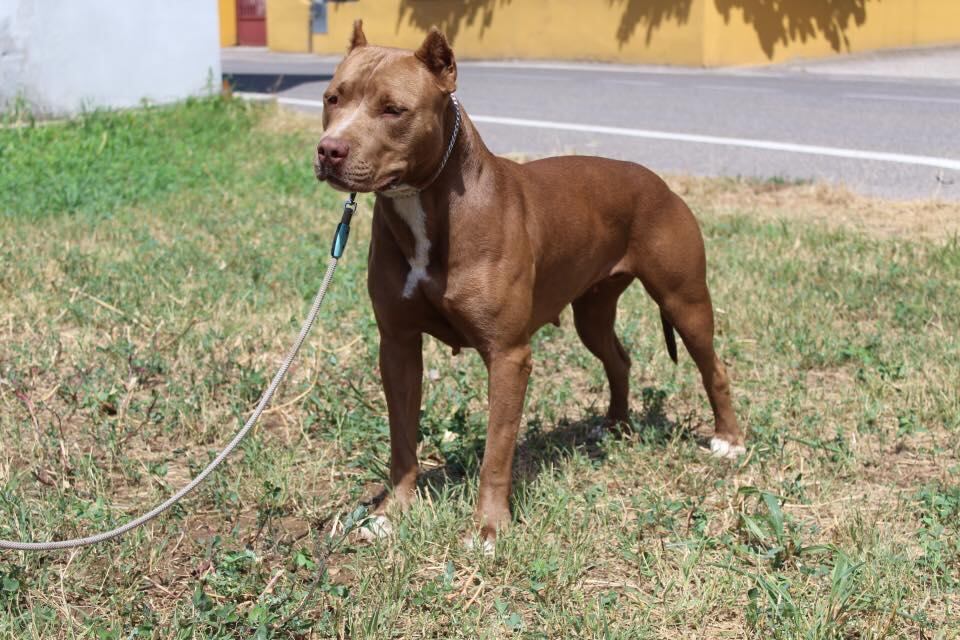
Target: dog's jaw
397,191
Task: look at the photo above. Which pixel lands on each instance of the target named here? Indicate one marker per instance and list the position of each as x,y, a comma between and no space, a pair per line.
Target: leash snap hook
343,228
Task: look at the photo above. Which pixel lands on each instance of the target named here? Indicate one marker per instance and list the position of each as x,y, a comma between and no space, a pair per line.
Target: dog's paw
486,546
720,448
376,528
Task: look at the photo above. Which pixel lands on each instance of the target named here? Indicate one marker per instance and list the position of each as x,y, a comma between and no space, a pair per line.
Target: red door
252,23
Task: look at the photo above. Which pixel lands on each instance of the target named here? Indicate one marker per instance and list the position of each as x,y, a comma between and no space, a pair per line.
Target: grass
155,265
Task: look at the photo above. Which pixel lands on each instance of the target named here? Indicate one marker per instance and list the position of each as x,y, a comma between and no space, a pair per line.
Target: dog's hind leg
594,314
677,281
692,316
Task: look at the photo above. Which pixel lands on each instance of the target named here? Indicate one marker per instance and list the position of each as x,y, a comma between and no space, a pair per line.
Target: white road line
749,143
524,76
889,96
635,83
769,145
592,67
634,69
733,87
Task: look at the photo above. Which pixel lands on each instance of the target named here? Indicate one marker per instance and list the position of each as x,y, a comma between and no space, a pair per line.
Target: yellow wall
938,20
570,29
687,32
228,23
741,32
288,25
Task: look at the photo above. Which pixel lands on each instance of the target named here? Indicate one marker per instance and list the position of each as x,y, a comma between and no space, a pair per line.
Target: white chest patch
410,209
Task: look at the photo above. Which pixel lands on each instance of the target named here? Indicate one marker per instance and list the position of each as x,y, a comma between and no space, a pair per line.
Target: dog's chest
410,210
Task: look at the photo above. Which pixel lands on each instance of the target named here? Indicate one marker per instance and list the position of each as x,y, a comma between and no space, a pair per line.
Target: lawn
155,265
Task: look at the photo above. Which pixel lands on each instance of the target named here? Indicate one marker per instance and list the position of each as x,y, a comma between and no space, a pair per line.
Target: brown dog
481,252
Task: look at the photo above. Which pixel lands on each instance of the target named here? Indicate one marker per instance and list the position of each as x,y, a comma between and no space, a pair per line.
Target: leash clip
343,228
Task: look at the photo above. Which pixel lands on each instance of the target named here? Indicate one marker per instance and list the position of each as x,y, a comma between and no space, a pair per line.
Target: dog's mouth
393,181
341,185
338,182
349,181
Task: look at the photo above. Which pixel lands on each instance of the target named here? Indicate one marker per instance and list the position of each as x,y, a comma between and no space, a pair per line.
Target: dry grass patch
137,328
830,206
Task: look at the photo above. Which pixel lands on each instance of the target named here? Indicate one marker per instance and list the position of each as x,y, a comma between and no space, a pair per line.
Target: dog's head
384,113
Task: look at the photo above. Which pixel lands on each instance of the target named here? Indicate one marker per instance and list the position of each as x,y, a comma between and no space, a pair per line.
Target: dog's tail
669,336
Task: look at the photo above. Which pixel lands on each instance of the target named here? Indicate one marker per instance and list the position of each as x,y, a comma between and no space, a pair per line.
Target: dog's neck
462,171
425,215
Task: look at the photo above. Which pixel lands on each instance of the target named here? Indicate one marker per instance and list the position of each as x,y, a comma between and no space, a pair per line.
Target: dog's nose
332,151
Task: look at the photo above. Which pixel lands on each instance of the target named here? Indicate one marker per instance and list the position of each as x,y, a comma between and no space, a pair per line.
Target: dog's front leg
509,370
401,367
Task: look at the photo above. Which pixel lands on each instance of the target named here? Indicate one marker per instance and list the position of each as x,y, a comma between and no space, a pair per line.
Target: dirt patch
835,207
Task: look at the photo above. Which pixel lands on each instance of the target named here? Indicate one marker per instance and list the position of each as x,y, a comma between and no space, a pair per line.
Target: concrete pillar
62,56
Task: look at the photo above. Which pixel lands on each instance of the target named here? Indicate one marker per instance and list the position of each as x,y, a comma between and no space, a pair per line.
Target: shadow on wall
786,21
448,16
650,13
775,21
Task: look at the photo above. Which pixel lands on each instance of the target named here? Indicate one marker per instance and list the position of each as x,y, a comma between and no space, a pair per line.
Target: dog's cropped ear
436,53
357,39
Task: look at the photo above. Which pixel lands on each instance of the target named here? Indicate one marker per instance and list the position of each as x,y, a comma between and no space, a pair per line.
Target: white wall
66,55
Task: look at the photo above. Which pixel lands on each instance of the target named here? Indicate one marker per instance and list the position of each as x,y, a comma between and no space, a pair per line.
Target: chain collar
453,141
407,191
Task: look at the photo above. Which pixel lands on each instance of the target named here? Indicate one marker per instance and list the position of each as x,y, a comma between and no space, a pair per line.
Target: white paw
723,449
487,546
377,528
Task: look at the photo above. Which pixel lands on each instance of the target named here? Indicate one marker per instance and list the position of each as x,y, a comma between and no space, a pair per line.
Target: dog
479,251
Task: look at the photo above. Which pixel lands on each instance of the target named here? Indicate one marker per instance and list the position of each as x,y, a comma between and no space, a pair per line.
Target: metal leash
336,250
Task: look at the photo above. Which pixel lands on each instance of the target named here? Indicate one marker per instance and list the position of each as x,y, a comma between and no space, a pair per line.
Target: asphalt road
895,135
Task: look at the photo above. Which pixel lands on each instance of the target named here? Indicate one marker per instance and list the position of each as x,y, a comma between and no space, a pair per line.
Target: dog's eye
393,110
332,100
